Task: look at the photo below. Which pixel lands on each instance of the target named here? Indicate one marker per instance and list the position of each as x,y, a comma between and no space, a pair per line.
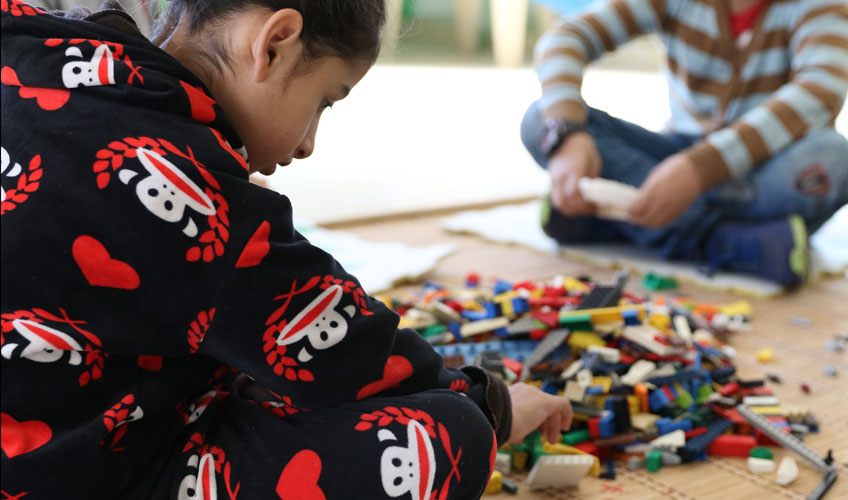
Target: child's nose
305,149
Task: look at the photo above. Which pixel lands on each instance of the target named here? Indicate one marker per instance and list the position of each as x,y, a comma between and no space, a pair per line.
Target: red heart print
47,99
99,268
397,369
257,247
201,104
18,438
299,480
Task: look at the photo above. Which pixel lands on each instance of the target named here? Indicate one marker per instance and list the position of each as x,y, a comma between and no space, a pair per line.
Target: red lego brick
732,445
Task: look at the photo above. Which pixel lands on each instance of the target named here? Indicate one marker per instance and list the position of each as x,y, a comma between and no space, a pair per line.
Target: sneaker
776,250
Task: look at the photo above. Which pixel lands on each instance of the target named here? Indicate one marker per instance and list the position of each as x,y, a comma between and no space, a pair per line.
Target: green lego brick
684,399
577,323
576,437
433,330
653,461
703,393
762,452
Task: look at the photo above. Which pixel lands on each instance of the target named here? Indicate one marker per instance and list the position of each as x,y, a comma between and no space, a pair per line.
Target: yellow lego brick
574,285
634,404
605,382
564,449
604,314
661,321
495,483
537,293
581,340
769,410
519,460
472,305
765,355
742,307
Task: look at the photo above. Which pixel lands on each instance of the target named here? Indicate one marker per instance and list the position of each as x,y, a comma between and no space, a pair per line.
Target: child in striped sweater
750,160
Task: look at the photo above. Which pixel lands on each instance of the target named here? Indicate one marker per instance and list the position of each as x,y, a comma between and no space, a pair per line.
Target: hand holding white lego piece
533,409
578,157
612,198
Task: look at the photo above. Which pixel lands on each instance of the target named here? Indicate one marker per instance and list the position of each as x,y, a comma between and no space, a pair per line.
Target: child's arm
563,53
294,320
809,101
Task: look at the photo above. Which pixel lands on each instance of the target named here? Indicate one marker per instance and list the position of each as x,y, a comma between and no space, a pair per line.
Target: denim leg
808,178
628,154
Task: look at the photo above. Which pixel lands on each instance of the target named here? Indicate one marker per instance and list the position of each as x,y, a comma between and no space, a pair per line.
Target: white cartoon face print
196,409
46,345
202,485
166,191
409,469
319,322
100,70
9,170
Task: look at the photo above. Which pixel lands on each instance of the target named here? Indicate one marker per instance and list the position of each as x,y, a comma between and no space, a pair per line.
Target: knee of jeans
532,129
820,165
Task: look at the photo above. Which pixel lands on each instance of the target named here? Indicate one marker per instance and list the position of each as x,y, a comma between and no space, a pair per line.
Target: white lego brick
671,441
681,326
574,391
503,463
761,401
760,465
643,335
572,370
608,354
787,471
559,470
638,371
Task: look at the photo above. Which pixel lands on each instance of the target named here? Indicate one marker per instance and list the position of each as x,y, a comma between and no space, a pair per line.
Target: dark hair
349,29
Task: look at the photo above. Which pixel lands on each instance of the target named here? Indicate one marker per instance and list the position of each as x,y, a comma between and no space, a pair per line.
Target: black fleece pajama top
166,333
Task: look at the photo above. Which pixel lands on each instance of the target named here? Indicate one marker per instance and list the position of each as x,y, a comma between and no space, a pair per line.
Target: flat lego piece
612,198
559,470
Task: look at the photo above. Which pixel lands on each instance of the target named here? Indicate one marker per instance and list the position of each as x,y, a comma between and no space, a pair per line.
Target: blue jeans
808,178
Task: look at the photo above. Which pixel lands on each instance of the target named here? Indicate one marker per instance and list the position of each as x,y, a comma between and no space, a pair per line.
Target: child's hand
577,157
669,190
533,409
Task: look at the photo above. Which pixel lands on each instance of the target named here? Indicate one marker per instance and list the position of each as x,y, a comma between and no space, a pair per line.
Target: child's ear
278,45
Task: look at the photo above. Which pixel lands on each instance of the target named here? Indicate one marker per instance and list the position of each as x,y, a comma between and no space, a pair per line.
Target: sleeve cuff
709,163
498,405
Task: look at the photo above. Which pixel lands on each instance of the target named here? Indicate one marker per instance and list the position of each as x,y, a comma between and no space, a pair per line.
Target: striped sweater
747,102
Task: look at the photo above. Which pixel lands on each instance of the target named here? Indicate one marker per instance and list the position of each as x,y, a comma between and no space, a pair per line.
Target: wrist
558,133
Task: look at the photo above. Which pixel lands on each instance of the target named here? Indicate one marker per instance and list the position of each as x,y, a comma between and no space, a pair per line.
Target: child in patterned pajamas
750,161
166,333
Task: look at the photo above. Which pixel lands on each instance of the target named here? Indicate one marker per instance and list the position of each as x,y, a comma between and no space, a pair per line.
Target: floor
800,353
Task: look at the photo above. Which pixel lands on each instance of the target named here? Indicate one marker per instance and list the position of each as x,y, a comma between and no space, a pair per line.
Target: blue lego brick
723,372
491,309
631,317
502,286
549,388
606,426
590,359
681,376
501,332
595,390
666,425
518,350
474,315
658,400
520,305
453,327
698,444
710,351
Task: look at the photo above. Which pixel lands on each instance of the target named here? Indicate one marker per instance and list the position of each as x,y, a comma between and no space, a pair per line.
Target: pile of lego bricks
651,380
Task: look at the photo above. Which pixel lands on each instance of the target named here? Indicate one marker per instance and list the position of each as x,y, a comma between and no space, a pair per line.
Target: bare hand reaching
577,157
533,409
